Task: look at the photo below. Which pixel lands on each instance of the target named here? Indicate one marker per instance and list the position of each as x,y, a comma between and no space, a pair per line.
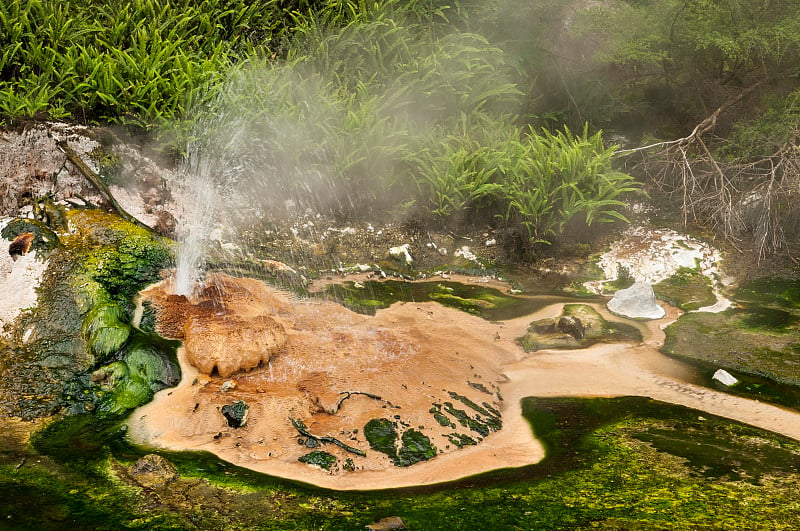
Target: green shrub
535,181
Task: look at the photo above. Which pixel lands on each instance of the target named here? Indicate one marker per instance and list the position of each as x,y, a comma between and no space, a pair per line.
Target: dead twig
348,394
301,428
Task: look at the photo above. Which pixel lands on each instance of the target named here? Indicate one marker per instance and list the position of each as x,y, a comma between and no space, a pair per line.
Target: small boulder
636,302
236,413
153,471
386,524
571,325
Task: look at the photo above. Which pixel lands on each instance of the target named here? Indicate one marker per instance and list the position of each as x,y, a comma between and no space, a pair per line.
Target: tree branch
703,127
98,183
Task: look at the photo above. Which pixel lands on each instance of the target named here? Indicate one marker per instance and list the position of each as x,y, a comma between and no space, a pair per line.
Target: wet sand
445,349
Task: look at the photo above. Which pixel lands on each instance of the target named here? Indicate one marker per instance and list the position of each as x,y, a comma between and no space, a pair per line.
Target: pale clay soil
410,355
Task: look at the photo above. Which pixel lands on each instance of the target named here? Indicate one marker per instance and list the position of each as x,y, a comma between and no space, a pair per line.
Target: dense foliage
390,112
135,61
439,106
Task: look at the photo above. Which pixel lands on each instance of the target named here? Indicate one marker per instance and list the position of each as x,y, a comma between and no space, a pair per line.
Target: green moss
460,440
381,434
624,280
105,329
622,463
148,364
771,292
131,392
739,339
121,256
688,289
77,439
147,323
318,458
479,387
463,418
443,420
153,359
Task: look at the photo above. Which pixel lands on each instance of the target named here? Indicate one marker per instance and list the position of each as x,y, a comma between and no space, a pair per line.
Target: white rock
402,252
466,253
725,378
637,301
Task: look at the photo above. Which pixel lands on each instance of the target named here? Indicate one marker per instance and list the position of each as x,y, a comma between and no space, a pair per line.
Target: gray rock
385,524
153,471
637,302
571,325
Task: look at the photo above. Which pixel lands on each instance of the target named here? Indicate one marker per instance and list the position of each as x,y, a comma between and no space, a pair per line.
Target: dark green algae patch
622,463
611,463
486,302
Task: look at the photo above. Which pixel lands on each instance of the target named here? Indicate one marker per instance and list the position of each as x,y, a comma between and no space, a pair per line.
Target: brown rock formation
215,337
230,343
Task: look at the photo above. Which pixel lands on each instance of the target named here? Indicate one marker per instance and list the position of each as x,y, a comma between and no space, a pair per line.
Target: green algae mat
622,463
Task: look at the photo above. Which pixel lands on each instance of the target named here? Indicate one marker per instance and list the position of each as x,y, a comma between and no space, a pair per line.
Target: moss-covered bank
758,340
625,463
97,263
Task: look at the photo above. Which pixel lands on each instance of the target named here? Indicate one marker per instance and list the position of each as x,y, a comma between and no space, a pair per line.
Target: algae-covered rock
318,458
129,393
104,329
236,413
44,238
153,359
578,326
153,471
147,365
122,257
